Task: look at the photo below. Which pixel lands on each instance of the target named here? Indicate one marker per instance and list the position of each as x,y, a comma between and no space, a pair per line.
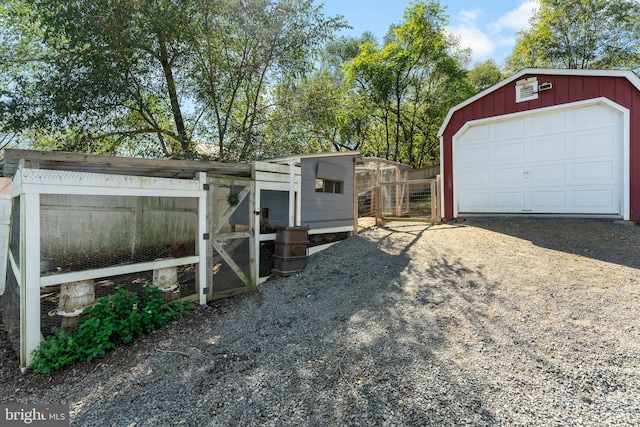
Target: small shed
327,193
545,142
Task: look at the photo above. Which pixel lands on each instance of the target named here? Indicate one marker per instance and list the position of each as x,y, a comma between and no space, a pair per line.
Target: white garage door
562,161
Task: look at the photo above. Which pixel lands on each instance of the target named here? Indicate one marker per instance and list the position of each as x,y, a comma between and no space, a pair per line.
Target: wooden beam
81,162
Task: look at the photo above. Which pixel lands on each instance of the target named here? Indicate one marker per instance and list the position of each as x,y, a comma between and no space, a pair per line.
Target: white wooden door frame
285,177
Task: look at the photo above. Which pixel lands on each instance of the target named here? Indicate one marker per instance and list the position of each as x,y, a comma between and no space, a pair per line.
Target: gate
416,199
386,191
231,252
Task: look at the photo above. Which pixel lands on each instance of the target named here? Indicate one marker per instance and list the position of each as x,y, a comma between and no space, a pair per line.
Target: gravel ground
482,322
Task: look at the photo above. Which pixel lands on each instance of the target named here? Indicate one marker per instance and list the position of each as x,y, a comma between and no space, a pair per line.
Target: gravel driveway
483,322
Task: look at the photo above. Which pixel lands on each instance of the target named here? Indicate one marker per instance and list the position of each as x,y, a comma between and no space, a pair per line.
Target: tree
243,48
410,83
102,70
580,34
315,111
152,77
483,75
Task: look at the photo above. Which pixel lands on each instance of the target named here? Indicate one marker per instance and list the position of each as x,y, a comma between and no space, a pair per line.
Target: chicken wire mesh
365,187
50,296
87,232
82,232
231,255
406,200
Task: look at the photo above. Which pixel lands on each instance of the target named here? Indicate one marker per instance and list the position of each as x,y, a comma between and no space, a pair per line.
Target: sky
488,27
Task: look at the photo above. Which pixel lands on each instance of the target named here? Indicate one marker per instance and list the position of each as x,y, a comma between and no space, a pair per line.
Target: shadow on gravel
601,240
372,342
334,345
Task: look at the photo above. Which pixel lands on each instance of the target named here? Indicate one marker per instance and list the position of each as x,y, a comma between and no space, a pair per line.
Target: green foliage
57,351
581,34
115,320
409,84
152,77
483,75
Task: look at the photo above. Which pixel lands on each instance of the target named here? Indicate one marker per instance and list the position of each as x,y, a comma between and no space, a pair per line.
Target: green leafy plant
57,351
233,199
114,320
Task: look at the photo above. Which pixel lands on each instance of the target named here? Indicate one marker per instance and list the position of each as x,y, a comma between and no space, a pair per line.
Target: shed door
563,161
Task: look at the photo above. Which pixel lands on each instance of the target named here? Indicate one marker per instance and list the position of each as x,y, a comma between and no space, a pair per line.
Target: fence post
435,199
29,276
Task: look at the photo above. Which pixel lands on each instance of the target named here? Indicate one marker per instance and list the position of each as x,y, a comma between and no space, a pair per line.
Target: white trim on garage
629,75
624,132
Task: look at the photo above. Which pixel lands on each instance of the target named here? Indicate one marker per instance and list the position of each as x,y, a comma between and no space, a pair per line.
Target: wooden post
29,276
378,196
257,188
438,197
355,198
203,279
254,250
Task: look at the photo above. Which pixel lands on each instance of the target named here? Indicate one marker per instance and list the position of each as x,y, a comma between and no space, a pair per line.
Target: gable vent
527,89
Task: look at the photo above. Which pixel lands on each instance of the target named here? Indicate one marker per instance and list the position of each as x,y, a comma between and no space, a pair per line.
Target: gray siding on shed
322,210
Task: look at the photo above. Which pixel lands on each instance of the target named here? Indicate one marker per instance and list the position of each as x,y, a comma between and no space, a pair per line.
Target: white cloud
514,20
491,39
472,37
470,15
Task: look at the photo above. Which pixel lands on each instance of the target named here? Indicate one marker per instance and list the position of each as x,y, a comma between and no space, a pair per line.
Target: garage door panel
594,144
507,177
555,162
510,152
514,127
547,174
548,122
476,202
548,201
601,172
593,116
474,179
514,200
596,200
548,148
477,133
471,156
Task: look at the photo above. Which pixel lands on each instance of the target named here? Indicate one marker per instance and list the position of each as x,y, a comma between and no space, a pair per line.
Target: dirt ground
478,322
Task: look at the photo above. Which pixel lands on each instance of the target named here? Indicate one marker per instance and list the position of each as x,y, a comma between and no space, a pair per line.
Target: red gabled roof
629,75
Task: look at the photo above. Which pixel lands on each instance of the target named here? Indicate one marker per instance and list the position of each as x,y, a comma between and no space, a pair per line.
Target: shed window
328,186
527,89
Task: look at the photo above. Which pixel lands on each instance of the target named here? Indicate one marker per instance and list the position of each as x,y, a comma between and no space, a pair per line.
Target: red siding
566,89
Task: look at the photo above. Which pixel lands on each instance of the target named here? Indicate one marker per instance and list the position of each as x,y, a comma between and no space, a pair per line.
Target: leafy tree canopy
483,75
409,84
581,34
151,77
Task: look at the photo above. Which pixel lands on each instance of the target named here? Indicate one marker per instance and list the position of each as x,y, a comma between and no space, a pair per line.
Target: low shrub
114,320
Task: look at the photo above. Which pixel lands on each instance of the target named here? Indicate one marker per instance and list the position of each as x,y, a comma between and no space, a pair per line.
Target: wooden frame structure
30,183
41,173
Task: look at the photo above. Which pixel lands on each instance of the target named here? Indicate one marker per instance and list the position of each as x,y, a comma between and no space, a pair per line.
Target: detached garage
545,142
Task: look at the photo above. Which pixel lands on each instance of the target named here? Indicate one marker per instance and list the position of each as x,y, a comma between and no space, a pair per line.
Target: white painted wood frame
30,183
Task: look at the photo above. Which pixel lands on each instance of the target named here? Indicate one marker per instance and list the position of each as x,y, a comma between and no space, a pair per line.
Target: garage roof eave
629,75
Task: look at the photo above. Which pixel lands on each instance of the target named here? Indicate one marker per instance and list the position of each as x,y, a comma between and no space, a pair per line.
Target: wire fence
388,190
